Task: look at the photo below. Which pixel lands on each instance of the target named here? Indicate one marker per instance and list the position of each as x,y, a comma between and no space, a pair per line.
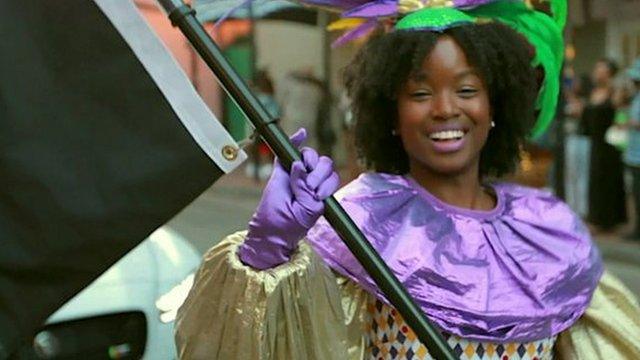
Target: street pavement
227,206
223,209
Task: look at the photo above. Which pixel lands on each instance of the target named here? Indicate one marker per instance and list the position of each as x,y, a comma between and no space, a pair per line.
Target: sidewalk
614,248
622,258
237,182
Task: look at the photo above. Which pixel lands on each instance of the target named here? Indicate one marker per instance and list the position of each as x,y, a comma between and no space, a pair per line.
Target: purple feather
375,9
231,11
357,32
338,4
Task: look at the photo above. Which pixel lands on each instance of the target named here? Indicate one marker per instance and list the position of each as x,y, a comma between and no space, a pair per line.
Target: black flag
97,149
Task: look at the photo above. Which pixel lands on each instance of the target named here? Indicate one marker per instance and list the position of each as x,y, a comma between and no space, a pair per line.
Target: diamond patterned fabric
389,338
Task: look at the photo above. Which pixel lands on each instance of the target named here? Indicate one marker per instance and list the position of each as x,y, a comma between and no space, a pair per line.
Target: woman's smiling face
444,114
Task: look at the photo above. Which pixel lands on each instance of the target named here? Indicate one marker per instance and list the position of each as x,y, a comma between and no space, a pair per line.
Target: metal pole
184,18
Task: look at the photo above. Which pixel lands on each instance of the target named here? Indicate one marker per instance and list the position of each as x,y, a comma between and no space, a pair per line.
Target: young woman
632,153
504,271
577,146
607,200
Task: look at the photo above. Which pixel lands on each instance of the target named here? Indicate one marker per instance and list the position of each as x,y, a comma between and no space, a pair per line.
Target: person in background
577,145
632,153
607,201
301,98
324,127
308,103
352,163
262,163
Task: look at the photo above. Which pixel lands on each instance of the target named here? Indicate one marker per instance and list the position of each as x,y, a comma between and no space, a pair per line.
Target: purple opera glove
290,206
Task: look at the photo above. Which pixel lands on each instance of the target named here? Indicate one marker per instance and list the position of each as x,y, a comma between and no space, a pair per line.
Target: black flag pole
183,17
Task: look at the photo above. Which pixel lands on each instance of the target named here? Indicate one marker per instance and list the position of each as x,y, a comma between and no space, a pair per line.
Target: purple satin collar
523,271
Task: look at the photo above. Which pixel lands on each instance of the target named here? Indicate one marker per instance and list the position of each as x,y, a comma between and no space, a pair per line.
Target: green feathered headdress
544,33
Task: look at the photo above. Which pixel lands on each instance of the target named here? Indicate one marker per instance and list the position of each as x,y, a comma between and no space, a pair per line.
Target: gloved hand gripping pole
183,17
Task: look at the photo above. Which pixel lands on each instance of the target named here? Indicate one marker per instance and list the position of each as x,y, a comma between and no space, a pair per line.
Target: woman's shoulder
516,189
372,183
539,207
527,196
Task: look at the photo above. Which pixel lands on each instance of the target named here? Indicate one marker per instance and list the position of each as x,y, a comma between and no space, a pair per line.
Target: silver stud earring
493,124
394,132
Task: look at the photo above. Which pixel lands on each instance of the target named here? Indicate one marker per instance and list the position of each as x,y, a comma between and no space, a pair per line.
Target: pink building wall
202,78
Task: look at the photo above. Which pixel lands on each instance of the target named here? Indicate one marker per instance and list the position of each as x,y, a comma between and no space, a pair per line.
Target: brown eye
467,92
421,94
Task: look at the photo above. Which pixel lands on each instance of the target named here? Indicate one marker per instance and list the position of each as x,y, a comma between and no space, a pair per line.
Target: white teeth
447,135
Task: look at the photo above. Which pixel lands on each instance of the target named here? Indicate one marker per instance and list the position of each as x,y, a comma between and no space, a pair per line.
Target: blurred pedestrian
353,166
262,160
577,146
324,126
607,204
632,153
302,96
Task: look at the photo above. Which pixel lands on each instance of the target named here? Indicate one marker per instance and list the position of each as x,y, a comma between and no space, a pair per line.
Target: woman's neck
600,93
603,85
462,190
